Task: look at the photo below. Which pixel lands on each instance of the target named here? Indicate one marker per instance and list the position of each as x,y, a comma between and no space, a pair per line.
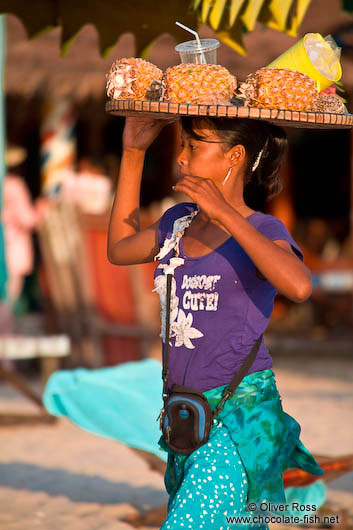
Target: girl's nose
181,160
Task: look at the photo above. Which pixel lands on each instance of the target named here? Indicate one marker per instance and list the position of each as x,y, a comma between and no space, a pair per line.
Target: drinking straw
203,58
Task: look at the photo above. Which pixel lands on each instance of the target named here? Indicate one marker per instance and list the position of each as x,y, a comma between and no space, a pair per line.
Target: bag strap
165,371
239,375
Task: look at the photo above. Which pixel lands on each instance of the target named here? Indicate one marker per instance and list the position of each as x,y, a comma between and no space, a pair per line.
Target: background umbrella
230,19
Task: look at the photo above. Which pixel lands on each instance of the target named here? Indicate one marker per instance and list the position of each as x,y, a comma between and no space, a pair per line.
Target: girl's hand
140,132
206,194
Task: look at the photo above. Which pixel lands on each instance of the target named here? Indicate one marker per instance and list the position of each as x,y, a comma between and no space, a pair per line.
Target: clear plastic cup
190,51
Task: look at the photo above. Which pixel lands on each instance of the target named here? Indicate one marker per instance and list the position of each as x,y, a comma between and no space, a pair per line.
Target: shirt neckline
186,256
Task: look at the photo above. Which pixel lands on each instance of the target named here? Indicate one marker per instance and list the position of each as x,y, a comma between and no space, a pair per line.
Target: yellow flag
275,14
205,9
233,38
302,6
216,14
251,12
234,9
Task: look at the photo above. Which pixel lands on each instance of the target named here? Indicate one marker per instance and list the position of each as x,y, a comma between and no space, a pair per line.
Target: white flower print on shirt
182,331
179,227
180,324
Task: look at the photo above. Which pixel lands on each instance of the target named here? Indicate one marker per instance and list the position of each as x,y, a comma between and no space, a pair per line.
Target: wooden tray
286,118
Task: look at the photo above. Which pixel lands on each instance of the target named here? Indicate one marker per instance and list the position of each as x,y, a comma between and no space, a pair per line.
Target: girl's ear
236,154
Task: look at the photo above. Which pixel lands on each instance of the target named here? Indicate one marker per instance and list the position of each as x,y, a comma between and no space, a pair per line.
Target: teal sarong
265,438
122,403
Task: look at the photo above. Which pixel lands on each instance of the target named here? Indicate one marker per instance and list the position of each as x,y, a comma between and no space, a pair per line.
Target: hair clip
257,161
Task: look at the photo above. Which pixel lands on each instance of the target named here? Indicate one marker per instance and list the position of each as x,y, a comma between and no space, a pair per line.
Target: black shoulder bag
186,418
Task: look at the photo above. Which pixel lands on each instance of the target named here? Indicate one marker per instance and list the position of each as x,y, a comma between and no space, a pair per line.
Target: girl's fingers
190,178
185,186
194,186
188,190
199,182
190,181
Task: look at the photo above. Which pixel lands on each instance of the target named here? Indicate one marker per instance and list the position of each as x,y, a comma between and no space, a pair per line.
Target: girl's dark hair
254,135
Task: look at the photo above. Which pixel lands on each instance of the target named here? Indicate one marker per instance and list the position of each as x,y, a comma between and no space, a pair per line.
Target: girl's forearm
279,266
125,214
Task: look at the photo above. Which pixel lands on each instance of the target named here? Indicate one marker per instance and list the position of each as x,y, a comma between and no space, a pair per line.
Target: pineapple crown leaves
246,91
339,86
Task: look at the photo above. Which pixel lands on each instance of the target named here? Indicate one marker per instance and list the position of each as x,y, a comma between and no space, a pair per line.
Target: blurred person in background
89,188
328,250
19,217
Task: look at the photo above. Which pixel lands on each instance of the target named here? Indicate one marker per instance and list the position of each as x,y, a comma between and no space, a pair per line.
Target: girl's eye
187,145
190,146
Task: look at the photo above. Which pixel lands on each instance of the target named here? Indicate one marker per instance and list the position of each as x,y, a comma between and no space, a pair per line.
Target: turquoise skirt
265,437
122,403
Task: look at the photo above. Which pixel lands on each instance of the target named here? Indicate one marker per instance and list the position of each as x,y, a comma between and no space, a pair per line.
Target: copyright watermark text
273,507
293,513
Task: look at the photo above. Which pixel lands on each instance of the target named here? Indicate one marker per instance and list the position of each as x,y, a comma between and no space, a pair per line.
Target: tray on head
286,118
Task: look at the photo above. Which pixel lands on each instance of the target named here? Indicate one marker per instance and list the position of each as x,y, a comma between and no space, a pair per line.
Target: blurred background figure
320,242
19,218
89,188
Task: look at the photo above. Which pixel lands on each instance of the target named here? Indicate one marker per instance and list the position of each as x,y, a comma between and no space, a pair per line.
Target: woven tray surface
164,109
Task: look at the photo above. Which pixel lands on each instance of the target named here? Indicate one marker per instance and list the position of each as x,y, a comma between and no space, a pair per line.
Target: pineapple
132,78
198,83
329,103
278,88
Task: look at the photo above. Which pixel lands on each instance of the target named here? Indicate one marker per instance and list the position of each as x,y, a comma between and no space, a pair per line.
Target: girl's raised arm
127,244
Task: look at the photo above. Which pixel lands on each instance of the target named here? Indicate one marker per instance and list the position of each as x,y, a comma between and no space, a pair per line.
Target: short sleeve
275,230
165,228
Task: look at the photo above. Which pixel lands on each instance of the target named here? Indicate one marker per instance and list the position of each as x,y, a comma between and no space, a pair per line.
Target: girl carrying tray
232,261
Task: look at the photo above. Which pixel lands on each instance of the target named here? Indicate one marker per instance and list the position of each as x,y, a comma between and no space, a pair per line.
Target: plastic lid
192,46
324,55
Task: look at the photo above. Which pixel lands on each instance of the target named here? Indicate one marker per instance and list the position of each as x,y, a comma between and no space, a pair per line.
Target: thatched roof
36,67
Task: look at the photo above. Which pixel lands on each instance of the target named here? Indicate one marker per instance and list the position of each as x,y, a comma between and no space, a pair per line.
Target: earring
227,175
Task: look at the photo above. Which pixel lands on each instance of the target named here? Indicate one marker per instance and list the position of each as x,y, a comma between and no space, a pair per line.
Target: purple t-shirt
219,305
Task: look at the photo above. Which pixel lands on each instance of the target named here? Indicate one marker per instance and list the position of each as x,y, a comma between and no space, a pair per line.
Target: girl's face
206,158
